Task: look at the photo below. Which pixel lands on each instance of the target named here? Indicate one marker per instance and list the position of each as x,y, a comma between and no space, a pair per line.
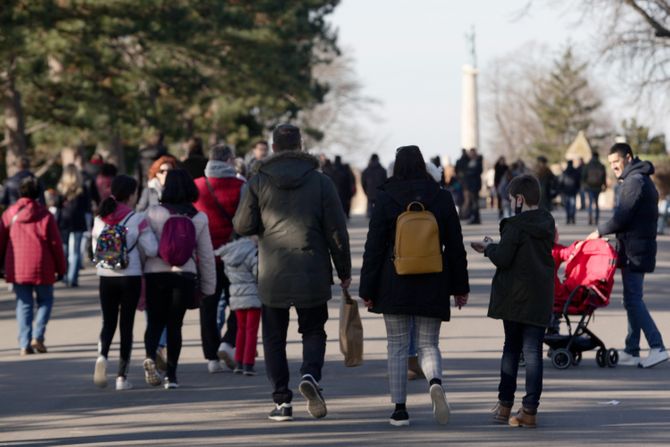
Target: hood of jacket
118,215
219,169
288,169
30,210
234,253
404,192
637,166
538,223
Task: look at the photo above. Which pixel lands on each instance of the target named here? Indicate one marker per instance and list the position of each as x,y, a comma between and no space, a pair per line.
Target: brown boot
414,369
523,419
501,413
38,346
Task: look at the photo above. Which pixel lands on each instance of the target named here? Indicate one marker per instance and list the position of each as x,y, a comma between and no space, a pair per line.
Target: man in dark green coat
522,295
296,213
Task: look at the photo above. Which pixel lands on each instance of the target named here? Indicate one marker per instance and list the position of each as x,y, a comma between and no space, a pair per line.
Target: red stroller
589,278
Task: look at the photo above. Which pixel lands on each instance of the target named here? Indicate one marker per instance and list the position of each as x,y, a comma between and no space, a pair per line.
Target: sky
409,56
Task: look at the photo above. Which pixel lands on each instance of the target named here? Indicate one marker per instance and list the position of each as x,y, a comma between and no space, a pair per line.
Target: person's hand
368,302
592,236
461,300
480,247
345,283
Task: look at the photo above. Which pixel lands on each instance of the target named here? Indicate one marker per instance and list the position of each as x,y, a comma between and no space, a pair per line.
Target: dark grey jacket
296,212
634,220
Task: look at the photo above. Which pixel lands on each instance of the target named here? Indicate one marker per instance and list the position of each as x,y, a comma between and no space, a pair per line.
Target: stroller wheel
576,358
612,358
561,358
601,357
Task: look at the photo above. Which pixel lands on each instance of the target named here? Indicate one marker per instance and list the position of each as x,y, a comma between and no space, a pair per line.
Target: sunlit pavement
50,399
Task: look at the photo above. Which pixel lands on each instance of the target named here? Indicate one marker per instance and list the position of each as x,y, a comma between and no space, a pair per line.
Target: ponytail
123,186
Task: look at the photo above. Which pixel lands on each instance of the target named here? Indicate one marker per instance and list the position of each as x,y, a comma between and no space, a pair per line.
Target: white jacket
240,260
206,270
144,241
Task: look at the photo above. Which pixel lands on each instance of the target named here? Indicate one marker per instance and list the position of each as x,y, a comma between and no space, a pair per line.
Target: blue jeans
72,251
570,204
639,319
221,312
519,338
24,311
594,209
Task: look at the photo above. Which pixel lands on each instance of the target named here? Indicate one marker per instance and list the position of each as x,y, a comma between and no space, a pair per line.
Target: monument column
469,106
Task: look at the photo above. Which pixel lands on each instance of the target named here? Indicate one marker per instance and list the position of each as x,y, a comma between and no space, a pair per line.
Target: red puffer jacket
227,191
31,244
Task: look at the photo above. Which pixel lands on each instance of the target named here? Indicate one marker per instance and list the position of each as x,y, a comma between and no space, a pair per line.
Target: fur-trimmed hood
288,169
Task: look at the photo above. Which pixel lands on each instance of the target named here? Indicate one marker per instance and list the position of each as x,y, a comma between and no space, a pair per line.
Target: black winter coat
570,181
426,295
634,220
372,178
523,285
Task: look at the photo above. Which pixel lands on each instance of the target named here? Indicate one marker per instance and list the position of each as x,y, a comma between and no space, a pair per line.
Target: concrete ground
50,399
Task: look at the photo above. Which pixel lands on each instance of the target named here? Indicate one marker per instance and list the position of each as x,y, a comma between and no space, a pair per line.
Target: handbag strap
218,204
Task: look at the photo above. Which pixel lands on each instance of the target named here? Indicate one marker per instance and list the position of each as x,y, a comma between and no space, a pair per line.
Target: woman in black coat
421,298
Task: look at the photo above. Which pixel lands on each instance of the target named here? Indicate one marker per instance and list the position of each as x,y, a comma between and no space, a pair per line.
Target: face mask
518,205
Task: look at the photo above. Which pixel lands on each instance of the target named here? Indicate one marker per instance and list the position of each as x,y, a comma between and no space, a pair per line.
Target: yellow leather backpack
417,242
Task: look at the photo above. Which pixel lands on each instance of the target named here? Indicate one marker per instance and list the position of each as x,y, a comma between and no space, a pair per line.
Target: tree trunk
112,151
14,123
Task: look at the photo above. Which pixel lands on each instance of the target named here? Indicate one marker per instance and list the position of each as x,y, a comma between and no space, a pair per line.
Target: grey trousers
427,336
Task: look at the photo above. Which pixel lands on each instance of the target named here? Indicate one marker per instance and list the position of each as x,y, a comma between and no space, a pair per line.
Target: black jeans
209,333
527,338
119,295
311,322
167,297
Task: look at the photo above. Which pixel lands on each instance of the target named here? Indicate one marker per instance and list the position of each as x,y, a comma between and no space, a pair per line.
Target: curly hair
156,166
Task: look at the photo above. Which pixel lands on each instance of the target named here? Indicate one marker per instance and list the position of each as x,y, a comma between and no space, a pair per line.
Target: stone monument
469,106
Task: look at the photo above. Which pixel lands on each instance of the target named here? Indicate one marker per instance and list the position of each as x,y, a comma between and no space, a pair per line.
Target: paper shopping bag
351,331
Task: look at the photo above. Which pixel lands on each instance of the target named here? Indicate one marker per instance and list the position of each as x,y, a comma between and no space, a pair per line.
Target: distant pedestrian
473,184
119,226
345,182
548,183
32,253
569,185
172,283
259,152
634,223
195,161
594,181
372,178
522,295
295,211
421,299
10,190
501,173
151,195
103,181
240,259
218,197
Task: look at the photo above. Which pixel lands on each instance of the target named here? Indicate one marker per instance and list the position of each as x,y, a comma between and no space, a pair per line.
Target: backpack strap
124,222
223,211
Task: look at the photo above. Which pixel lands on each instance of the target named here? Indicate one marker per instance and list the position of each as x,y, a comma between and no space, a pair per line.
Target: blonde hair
70,183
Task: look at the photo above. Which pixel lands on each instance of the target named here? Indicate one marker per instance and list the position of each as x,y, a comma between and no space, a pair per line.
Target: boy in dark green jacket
522,295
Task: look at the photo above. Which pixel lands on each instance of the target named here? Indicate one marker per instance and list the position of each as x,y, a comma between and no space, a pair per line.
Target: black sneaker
310,390
238,369
399,418
282,413
249,370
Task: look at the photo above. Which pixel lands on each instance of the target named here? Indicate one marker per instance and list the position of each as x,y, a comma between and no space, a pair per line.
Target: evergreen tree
640,139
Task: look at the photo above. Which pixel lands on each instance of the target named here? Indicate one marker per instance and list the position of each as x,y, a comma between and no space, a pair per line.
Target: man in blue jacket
634,223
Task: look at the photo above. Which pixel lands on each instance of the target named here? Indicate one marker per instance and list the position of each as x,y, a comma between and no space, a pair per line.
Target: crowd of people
265,233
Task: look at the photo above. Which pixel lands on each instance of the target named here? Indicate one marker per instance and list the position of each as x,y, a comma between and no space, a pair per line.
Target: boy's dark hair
221,152
179,188
29,188
525,185
108,170
409,164
622,149
123,186
286,137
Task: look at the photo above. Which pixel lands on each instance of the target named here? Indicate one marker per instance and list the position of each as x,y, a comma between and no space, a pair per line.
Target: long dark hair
179,192
123,186
409,164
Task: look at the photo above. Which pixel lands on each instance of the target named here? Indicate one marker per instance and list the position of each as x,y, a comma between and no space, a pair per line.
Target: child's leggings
247,335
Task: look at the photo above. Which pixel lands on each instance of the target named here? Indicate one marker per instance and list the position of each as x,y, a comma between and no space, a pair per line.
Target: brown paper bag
351,331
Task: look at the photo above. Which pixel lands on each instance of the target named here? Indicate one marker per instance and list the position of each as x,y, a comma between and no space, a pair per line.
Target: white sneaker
168,385
150,374
227,355
656,356
100,373
123,384
440,404
625,359
214,366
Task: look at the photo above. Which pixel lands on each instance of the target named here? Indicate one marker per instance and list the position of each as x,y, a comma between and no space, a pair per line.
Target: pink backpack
178,240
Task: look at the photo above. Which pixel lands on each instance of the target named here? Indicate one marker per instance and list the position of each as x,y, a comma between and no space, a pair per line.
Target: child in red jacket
33,259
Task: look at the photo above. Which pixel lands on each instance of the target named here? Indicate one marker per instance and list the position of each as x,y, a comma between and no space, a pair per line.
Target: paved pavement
50,399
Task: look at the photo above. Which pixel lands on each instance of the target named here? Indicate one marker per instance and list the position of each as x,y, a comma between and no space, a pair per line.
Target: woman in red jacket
33,259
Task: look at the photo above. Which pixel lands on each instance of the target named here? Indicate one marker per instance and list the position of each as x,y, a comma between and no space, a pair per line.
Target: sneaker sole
150,374
316,406
124,388
440,404
520,425
280,418
399,423
227,359
652,365
100,375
